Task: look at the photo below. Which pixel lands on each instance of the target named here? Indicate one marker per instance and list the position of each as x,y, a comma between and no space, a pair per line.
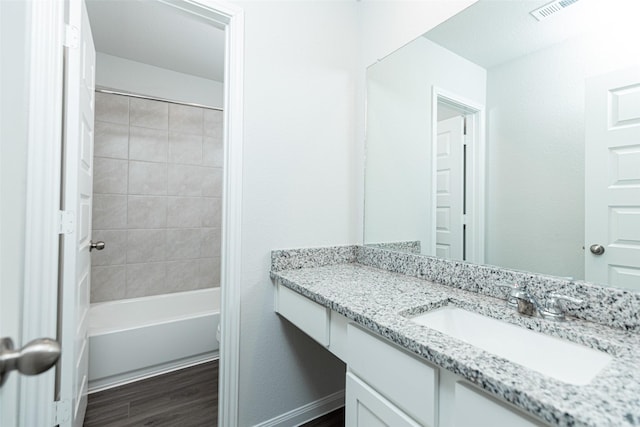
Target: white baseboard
153,371
307,412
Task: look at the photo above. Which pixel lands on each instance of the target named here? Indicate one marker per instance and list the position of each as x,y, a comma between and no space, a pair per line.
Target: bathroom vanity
372,309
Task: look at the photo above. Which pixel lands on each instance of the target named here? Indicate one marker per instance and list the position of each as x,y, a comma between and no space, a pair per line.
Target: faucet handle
555,308
565,298
514,290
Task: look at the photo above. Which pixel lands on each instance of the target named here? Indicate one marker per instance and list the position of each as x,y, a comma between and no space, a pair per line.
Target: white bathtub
138,338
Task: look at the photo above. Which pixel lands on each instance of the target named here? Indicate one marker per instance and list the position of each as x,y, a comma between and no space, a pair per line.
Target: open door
30,155
450,189
75,262
612,197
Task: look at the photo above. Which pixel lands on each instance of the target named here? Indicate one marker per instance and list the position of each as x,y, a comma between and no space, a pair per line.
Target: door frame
475,181
43,199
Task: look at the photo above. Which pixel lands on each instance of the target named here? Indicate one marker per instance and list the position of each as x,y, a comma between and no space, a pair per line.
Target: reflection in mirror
512,140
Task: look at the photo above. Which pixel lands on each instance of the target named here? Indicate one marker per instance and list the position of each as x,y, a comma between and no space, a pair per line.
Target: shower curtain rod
153,98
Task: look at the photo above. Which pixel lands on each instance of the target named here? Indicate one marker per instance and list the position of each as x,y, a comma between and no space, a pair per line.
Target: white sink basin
563,360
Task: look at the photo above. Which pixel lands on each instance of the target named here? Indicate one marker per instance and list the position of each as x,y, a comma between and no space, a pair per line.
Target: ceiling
491,32
156,33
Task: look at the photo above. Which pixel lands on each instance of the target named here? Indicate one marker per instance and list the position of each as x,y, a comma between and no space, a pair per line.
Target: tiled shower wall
157,197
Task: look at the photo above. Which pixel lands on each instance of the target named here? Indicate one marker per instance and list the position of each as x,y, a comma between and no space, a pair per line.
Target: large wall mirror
509,135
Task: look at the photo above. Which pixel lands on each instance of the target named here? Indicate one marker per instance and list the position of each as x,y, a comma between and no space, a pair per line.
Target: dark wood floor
332,419
185,398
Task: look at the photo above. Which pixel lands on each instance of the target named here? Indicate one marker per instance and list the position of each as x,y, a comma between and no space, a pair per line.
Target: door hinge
465,219
66,222
71,36
61,411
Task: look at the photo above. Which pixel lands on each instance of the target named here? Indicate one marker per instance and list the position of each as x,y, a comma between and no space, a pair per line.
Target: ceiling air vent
550,8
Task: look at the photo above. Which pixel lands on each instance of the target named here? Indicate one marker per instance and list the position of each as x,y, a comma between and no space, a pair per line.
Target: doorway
37,316
159,194
458,179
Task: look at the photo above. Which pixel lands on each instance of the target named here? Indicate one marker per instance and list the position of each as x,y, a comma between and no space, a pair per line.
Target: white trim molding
231,267
42,201
307,412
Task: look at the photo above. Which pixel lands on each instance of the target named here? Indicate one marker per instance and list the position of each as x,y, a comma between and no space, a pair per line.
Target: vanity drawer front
310,317
408,382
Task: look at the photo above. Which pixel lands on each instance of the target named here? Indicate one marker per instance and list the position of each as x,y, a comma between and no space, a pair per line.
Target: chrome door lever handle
34,358
98,246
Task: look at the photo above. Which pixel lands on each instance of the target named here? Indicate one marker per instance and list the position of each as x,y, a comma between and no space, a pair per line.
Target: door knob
596,249
34,358
98,246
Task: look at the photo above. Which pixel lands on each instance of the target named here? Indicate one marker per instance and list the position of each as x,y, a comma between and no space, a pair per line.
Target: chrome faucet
526,304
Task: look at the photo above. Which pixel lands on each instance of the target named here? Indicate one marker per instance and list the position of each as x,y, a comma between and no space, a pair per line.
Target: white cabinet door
450,189
366,408
78,197
475,408
612,197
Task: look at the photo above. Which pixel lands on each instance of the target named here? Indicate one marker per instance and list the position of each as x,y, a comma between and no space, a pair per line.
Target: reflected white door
78,192
612,196
450,189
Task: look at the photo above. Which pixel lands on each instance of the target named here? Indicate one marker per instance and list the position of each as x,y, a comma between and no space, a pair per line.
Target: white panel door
78,190
364,407
612,193
450,189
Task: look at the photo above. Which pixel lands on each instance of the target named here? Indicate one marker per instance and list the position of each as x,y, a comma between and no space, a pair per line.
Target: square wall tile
109,212
213,122
184,180
110,176
108,283
212,151
115,249
111,140
211,212
146,245
183,243
150,145
210,242
145,279
112,108
147,212
182,276
184,212
147,178
157,197
148,113
185,148
212,182
185,119
209,272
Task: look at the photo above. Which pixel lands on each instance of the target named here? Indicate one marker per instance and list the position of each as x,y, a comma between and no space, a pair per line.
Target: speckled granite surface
380,300
412,247
608,306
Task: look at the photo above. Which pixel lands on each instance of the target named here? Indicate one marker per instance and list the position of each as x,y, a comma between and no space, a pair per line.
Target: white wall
535,193
304,127
298,190
143,79
398,173
388,25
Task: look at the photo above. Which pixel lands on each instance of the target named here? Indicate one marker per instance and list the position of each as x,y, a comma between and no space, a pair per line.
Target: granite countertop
381,301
